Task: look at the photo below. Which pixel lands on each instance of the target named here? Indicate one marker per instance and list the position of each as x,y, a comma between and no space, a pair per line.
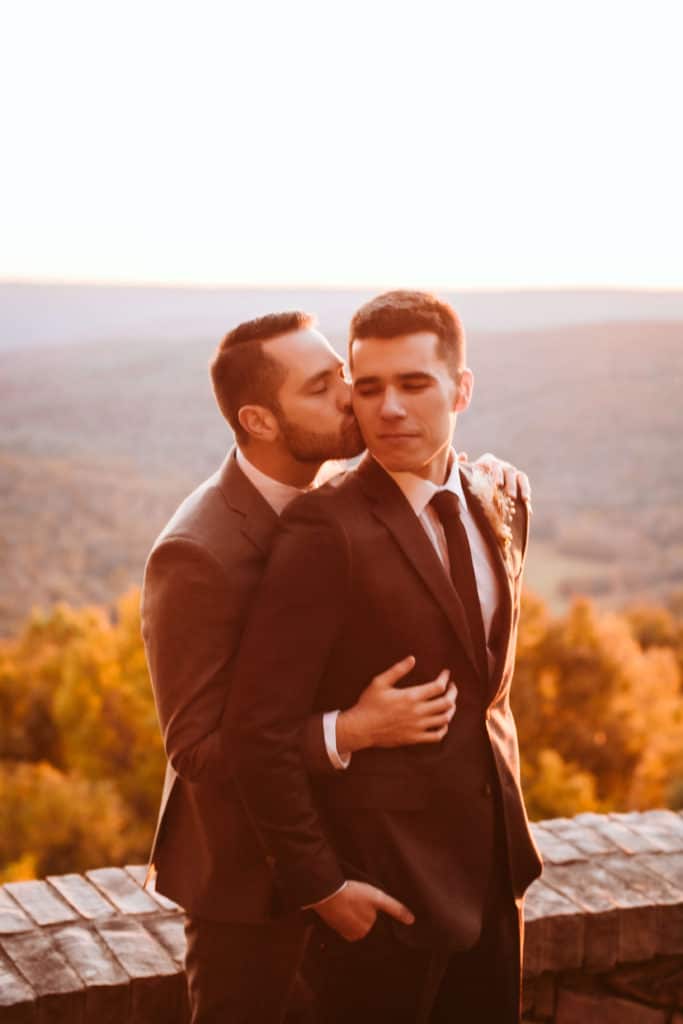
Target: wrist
339,760
351,732
326,899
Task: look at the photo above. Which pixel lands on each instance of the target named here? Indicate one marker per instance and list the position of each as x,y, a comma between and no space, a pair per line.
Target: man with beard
410,553
281,387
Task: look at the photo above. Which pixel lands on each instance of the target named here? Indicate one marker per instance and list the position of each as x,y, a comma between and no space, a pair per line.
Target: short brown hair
242,373
405,312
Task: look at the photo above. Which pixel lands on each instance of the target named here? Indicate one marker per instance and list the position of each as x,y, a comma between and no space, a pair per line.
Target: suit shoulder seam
191,542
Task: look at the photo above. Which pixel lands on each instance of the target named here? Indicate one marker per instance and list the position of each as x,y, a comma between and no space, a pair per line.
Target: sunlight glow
444,144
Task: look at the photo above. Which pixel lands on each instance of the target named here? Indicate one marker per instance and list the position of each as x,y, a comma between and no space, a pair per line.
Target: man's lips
397,436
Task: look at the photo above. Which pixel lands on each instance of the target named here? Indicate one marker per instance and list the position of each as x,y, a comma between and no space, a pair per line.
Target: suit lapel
259,519
505,584
392,508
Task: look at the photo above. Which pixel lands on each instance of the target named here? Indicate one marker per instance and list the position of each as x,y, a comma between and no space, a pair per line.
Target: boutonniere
498,506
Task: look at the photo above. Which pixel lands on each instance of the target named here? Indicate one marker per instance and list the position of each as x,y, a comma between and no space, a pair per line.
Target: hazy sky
433,143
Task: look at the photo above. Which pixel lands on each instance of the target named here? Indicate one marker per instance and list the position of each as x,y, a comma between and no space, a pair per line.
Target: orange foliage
597,697
81,758
607,706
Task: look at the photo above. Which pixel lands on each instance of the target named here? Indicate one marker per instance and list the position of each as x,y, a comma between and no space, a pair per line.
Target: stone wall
604,935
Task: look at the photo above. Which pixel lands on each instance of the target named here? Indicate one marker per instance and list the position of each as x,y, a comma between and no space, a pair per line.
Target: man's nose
344,395
391,407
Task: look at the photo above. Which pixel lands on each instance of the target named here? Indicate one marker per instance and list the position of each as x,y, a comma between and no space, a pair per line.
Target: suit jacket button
488,791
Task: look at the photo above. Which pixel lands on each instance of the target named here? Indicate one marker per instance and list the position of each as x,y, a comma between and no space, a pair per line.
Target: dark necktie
447,507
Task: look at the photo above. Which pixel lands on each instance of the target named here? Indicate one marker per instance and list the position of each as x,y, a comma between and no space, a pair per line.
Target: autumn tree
77,717
599,715
597,698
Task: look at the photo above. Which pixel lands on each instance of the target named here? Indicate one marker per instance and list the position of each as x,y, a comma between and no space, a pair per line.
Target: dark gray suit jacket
198,588
354,584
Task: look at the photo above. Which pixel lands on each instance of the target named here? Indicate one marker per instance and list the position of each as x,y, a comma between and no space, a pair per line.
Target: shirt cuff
337,760
312,906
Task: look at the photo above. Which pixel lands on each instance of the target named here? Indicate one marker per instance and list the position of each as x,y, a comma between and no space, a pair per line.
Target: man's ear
259,422
463,394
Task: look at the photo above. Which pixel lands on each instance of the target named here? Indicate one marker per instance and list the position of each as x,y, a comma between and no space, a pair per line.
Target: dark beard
307,446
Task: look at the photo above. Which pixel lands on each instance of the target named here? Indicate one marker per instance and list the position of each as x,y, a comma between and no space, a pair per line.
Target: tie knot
446,504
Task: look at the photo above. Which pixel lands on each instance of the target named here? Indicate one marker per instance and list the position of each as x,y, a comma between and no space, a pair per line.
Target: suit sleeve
191,625
296,619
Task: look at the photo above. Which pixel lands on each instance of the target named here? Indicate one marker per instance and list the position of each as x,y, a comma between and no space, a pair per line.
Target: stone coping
611,892
100,947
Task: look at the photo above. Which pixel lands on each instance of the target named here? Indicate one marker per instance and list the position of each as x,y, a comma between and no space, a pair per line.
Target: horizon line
264,287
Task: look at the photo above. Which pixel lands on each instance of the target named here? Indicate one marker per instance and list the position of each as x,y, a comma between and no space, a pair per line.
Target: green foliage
597,698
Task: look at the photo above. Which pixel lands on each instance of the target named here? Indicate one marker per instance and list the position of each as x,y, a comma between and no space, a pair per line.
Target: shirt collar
419,492
277,494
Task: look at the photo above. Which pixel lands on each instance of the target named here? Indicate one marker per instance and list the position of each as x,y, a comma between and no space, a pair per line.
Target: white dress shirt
277,494
419,493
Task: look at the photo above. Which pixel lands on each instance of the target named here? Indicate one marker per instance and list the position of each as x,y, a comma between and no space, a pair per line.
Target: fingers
436,721
524,488
430,730
433,736
504,475
397,671
439,705
491,465
516,483
390,906
510,481
507,477
427,691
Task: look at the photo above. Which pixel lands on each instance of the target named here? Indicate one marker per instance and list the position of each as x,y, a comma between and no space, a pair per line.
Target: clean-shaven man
409,554
281,387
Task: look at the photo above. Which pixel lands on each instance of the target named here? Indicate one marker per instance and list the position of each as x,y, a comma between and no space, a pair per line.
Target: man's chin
351,443
352,449
394,462
346,446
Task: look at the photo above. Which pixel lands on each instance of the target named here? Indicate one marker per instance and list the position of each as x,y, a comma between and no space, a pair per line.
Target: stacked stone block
604,923
604,935
88,948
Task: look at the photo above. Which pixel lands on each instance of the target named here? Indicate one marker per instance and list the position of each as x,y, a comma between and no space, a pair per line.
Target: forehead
386,357
303,353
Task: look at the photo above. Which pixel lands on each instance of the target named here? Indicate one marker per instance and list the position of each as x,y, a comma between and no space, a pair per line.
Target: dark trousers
482,985
247,973
380,980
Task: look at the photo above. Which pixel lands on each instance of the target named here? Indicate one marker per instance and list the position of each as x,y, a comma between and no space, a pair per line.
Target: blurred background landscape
199,167
107,420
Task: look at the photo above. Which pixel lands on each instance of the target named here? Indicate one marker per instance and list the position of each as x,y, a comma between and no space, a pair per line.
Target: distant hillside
100,441
49,314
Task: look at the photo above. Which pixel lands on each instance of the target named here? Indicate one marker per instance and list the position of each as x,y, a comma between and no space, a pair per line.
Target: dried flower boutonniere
498,506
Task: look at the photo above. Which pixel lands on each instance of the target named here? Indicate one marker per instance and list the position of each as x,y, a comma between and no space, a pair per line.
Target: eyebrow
321,375
404,378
